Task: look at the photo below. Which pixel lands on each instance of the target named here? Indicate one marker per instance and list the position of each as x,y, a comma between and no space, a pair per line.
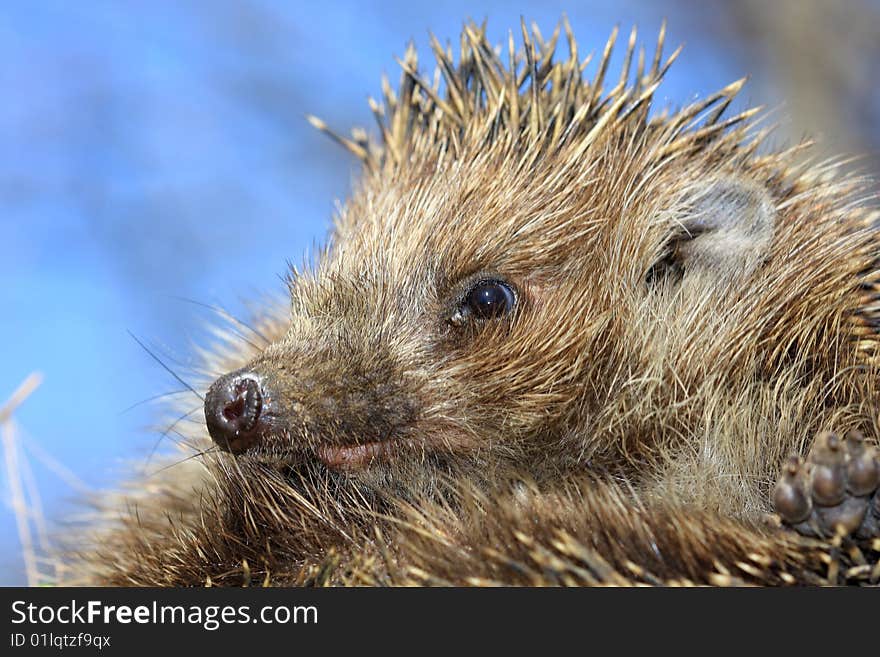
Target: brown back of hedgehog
675,311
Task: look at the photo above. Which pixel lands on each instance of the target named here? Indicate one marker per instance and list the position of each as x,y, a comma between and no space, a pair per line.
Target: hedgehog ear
723,229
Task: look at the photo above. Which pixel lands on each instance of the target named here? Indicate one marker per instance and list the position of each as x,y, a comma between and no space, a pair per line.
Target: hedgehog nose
233,410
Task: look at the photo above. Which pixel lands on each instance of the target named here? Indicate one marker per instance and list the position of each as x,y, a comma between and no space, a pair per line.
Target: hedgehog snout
234,411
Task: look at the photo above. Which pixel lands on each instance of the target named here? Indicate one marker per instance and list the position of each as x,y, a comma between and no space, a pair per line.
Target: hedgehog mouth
354,457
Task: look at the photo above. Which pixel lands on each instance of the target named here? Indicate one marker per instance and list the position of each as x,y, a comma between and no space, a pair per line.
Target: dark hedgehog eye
486,300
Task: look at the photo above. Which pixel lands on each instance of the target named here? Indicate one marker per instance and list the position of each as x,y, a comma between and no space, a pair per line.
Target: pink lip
351,457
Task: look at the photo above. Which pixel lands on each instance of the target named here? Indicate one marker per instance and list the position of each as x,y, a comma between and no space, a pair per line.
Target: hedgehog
554,338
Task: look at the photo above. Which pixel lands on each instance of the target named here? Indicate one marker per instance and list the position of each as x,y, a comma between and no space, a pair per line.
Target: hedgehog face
481,325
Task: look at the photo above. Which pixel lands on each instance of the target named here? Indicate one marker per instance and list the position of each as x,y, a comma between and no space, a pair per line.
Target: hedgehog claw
790,497
828,459
835,492
862,471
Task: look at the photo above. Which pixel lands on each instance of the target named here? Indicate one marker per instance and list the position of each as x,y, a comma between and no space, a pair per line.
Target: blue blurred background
156,150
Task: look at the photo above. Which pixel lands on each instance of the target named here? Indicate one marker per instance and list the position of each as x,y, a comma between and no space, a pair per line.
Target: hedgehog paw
836,491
